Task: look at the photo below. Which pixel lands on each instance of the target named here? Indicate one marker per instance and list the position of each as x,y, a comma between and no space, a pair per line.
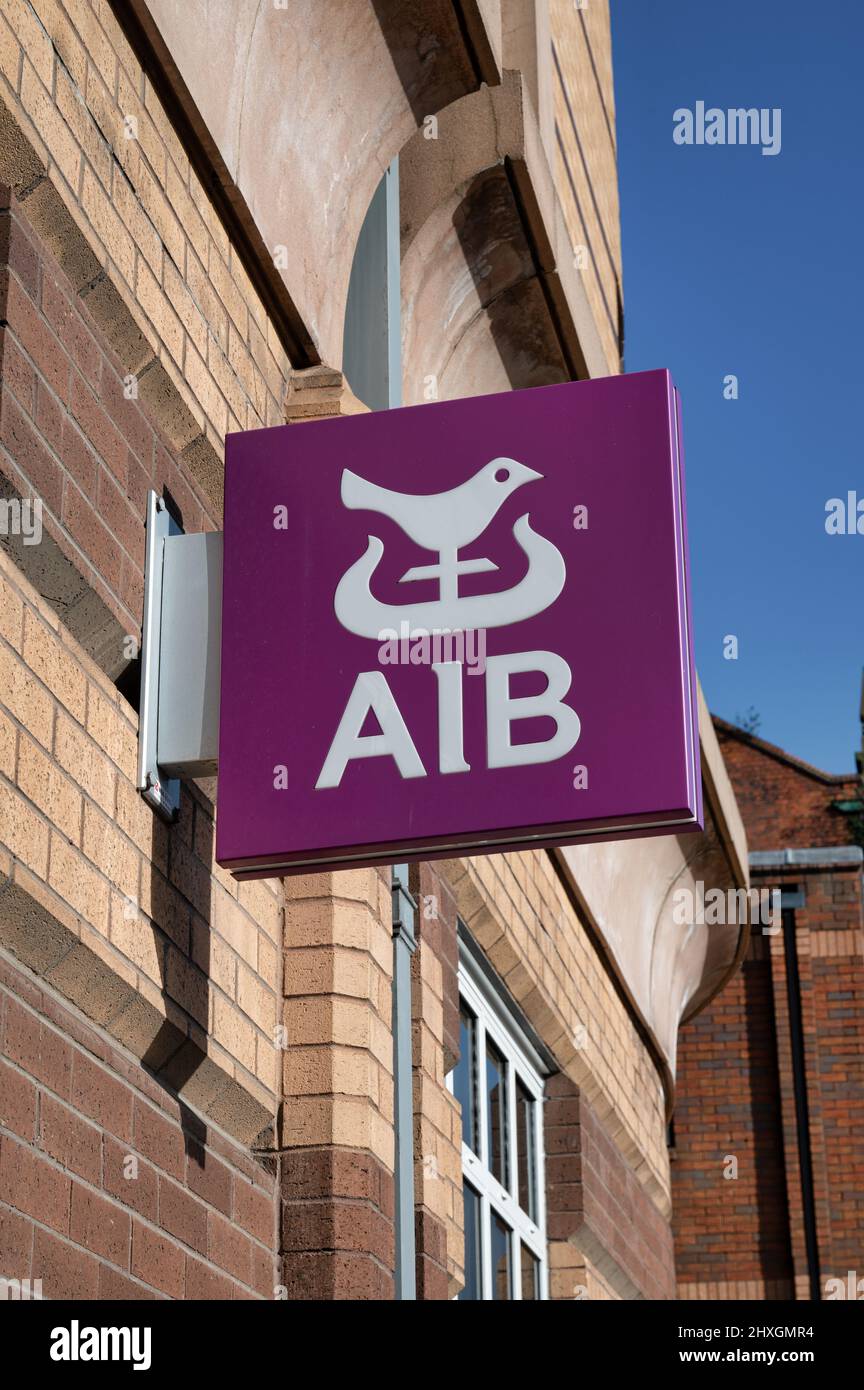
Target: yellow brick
226,287
263,905
153,200
114,734
269,960
135,219
136,819
267,1060
38,104
255,999
55,665
71,106
167,134
33,37
215,958
23,832
107,225
78,883
11,610
190,315
205,390
230,922
233,1031
137,939
148,137
107,848
79,756
44,784
190,219
8,745
227,382
159,311
25,699
10,55
209,215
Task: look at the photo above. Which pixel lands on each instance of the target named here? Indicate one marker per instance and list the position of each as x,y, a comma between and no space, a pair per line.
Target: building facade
200,1078
767,1159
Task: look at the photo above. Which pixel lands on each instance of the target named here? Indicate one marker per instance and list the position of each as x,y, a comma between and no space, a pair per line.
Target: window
499,1086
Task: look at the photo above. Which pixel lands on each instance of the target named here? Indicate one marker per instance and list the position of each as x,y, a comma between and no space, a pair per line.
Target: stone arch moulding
491,300
316,98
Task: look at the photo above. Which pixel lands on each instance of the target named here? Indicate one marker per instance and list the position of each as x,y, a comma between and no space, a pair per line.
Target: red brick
92,536
38,1049
100,1226
182,1215
157,1261
99,1095
37,340
64,317
119,516
139,1192
18,252
43,475
209,1178
99,429
18,375
204,1283
16,1243
17,1102
126,415
68,1137
32,1185
65,1271
115,1287
159,1138
229,1248
254,1210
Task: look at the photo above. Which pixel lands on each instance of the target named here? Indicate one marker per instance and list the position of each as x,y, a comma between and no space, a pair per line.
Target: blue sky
746,264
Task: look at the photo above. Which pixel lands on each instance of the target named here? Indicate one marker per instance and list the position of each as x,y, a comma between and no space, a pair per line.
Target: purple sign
457,628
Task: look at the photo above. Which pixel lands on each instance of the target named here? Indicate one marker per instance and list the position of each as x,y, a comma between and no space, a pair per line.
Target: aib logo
445,523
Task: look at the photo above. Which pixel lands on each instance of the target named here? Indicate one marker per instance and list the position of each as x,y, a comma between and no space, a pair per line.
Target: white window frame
496,1021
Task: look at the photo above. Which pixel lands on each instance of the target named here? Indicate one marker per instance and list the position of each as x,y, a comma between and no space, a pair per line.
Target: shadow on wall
502,266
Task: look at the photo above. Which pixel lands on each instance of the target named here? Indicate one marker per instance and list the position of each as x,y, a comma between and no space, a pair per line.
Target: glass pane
471,1206
527,1155
500,1258
464,1073
530,1275
496,1091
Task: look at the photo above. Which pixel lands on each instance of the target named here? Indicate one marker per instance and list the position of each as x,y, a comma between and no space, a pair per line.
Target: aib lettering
445,523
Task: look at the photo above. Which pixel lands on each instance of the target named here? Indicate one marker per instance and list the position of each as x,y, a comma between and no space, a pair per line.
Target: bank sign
460,627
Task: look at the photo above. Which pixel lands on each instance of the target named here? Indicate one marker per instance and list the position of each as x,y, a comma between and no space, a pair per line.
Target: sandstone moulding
316,100
491,297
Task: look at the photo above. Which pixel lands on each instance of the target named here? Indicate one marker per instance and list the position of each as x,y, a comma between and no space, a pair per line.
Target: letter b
503,709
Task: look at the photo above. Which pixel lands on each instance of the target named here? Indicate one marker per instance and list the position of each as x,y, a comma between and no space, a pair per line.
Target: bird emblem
443,522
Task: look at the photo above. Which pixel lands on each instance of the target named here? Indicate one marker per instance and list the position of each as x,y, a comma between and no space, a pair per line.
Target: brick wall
109,1187
746,1235
784,802
732,1224
70,435
603,1226
146,902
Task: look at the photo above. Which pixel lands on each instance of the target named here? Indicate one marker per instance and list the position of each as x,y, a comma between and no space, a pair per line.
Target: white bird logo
444,522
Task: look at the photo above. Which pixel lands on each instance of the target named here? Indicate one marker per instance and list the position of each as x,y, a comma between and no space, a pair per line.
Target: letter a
371,692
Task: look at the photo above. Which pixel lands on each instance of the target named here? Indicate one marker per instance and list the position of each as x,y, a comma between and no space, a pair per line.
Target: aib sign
457,628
